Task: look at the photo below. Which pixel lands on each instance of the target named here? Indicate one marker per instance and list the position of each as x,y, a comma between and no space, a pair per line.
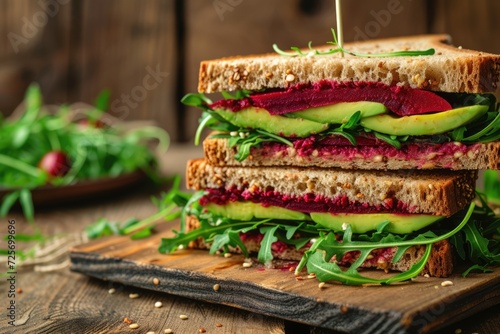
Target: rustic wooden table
49,298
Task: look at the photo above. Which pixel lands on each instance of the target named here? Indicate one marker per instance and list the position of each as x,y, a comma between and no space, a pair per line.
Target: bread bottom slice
440,263
455,156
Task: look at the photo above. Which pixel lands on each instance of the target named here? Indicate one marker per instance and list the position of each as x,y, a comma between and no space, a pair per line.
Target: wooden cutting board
418,306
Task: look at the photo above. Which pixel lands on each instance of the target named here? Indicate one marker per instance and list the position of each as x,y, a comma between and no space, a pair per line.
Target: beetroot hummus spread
402,101
307,203
338,147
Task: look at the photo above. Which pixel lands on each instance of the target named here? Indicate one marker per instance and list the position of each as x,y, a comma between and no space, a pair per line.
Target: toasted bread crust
437,192
451,69
440,263
479,156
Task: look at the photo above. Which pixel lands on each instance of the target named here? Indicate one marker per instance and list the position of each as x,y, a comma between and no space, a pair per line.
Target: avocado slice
249,210
258,118
340,113
428,124
364,222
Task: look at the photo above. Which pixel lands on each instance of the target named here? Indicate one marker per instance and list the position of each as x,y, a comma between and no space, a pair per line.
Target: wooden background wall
147,51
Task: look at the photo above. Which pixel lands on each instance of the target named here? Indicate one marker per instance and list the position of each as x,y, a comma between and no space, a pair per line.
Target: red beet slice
400,100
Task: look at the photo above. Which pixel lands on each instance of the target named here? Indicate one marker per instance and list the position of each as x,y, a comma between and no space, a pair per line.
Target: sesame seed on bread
450,69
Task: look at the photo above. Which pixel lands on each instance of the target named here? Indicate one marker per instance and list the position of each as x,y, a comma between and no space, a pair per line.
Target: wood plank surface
79,304
420,306
130,50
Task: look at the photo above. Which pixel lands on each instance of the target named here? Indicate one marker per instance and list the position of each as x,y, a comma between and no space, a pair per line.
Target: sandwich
340,159
380,111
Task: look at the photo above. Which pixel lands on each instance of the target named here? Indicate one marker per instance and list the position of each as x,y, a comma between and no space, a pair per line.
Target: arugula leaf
265,254
492,185
339,49
27,204
102,100
330,271
228,238
102,228
196,100
8,201
238,95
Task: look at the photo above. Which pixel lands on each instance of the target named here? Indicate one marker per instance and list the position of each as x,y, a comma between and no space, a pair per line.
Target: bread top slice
428,192
450,69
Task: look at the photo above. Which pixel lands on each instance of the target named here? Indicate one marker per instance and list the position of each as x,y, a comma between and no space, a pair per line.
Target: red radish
98,124
55,163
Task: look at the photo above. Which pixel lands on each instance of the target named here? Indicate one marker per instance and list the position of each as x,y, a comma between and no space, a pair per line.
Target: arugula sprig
94,149
168,205
297,52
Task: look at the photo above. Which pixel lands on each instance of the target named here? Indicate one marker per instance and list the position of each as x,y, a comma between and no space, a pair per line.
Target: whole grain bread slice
440,263
450,69
455,156
437,192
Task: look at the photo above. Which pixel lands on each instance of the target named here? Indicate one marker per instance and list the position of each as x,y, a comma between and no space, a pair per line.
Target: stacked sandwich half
363,158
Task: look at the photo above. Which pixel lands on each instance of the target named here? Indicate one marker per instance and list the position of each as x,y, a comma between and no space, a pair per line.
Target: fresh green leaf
298,52
476,267
265,252
27,204
196,100
8,201
102,228
144,233
102,100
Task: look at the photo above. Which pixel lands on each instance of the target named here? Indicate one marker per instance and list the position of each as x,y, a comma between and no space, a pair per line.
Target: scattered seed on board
216,287
183,317
111,291
226,255
127,320
321,285
168,331
150,333
133,295
447,283
247,264
202,330
156,281
158,304
133,326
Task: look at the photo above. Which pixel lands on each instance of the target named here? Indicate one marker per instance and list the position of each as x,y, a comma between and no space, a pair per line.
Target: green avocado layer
360,222
374,116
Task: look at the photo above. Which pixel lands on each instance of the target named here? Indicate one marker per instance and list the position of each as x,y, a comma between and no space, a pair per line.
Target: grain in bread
479,156
428,192
451,69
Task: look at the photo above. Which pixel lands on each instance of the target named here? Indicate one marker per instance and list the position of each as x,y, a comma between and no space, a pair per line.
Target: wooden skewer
340,32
